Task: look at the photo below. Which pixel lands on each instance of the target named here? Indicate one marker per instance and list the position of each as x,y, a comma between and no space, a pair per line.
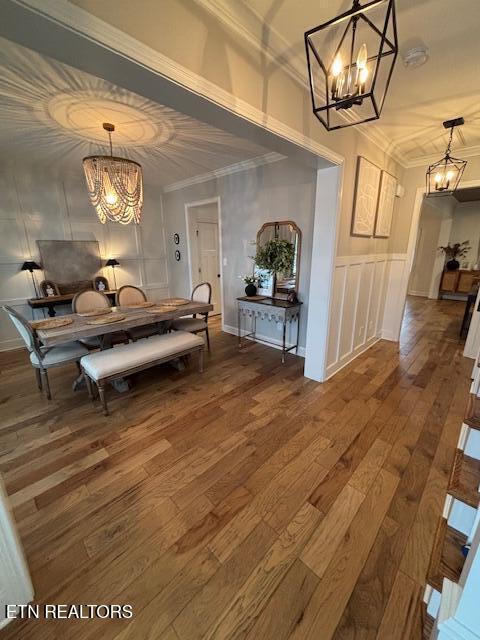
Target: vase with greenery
276,256
454,251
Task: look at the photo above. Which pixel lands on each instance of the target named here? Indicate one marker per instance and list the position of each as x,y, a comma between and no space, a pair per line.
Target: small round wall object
177,255
176,238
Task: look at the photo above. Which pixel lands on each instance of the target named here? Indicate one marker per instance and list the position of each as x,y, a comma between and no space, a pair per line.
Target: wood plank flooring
245,503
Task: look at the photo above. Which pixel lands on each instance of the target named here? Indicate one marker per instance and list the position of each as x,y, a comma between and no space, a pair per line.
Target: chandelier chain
447,153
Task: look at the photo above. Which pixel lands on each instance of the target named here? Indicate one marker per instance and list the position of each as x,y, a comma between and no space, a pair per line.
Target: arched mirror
277,259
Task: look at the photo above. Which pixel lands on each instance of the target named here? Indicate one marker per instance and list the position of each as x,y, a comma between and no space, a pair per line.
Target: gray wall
283,190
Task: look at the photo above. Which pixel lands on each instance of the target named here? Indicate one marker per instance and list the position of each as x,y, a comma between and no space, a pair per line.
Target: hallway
208,502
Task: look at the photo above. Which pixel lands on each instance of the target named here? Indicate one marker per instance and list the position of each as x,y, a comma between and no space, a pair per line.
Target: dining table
82,327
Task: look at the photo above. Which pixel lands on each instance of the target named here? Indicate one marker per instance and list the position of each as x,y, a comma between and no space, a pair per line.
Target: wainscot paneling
37,205
363,287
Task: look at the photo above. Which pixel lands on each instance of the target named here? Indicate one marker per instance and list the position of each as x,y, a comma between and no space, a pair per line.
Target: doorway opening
204,245
450,282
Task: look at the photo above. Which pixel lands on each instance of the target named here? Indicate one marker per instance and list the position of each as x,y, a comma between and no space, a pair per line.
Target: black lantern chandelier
444,176
350,63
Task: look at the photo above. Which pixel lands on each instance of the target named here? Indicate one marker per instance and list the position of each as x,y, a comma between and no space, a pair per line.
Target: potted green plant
454,251
276,256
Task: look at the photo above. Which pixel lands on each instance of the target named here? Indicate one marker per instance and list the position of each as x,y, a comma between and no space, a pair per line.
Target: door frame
412,243
198,203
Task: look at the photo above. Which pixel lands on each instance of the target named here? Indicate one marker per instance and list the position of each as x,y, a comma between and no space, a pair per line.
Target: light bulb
111,198
337,66
449,175
438,178
362,57
362,79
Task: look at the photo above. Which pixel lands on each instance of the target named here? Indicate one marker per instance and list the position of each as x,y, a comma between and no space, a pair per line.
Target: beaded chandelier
114,185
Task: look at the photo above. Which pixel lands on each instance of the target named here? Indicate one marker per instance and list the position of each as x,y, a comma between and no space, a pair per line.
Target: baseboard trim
334,368
10,345
389,335
277,344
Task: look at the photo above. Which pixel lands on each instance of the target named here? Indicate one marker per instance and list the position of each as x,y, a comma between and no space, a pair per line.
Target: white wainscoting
364,301
37,205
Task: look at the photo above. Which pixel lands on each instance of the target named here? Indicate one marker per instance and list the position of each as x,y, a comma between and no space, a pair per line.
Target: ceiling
53,113
419,100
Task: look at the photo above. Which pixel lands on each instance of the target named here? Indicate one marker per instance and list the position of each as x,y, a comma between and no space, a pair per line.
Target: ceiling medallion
350,63
115,185
81,114
444,176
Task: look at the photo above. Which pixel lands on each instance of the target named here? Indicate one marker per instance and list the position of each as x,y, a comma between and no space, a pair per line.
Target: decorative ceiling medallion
350,63
82,113
115,185
444,176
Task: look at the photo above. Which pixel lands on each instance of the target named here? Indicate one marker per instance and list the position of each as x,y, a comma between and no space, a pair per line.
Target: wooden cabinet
460,281
466,280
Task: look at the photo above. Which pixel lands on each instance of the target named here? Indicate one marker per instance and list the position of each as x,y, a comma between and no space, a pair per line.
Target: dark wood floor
248,502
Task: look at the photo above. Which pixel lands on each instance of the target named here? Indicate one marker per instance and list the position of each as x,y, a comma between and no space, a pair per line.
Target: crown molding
244,165
464,152
246,23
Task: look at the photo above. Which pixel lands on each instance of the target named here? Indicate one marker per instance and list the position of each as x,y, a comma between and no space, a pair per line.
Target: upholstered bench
104,366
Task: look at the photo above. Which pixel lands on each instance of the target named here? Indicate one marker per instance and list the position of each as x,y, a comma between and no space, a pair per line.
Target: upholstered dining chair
89,300
44,358
129,294
201,293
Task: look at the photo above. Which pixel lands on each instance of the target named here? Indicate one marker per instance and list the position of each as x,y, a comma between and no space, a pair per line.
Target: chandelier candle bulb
337,68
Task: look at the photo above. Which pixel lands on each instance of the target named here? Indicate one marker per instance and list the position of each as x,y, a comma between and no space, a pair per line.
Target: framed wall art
386,202
365,199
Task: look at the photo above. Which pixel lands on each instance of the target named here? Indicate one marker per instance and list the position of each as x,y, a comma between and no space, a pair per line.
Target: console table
54,301
268,309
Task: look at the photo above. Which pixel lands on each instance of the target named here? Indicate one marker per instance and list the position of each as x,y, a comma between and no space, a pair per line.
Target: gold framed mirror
278,243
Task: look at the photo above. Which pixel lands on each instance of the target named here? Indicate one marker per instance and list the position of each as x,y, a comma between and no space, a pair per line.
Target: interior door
209,260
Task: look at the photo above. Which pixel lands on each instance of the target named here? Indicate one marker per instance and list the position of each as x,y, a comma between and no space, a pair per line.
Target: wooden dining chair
44,358
201,293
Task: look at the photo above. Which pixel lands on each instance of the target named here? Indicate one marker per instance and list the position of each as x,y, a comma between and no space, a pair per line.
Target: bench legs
103,399
100,385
